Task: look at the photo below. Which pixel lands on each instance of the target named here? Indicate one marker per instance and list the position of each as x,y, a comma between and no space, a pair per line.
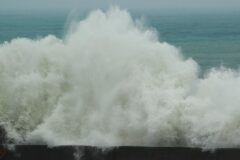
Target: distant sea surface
212,40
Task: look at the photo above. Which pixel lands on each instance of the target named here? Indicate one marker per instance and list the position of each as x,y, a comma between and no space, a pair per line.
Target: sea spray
110,82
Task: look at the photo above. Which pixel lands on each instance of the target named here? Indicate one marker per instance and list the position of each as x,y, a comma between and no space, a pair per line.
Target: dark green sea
212,40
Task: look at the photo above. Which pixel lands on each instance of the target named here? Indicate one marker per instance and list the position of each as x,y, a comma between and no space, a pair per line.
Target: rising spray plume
110,83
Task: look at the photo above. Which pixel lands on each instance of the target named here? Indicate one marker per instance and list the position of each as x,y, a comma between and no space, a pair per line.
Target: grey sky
129,4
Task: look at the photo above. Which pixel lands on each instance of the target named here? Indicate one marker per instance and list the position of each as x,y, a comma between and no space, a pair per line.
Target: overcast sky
129,4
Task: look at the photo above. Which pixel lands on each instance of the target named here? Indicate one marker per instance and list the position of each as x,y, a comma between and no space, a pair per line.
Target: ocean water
211,39
113,78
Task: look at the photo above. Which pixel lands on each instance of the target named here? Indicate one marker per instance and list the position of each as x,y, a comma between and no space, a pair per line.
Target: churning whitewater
110,82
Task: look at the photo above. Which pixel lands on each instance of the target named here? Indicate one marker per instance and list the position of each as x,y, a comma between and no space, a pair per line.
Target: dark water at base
117,153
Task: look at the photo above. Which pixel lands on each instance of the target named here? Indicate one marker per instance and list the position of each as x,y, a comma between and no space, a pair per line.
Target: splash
111,82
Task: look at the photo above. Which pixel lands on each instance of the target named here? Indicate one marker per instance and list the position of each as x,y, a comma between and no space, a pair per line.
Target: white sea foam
111,82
